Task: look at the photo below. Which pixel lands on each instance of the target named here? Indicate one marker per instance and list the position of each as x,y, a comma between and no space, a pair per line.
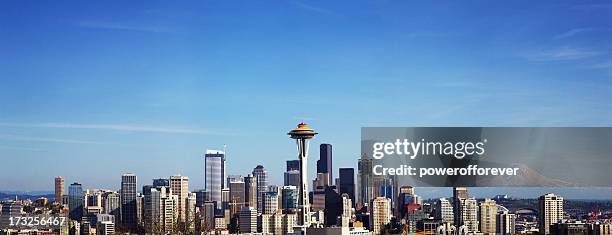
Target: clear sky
90,90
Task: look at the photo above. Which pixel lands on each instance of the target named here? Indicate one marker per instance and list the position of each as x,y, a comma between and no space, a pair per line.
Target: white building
550,211
380,213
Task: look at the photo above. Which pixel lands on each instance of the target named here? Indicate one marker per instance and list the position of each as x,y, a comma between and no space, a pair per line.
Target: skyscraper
250,191
151,208
380,214
347,182
129,216
59,189
487,216
293,165
261,176
75,201
550,209
214,161
237,195
180,187
289,199
292,178
365,181
302,134
459,193
324,164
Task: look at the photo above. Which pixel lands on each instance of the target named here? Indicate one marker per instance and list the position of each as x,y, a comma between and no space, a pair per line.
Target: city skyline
85,87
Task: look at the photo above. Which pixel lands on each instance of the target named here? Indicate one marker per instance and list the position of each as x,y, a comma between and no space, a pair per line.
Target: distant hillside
8,195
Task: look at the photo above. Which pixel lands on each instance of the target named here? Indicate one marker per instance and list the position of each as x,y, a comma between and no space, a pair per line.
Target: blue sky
90,91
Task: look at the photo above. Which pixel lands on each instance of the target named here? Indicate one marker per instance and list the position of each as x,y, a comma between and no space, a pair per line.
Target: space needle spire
302,134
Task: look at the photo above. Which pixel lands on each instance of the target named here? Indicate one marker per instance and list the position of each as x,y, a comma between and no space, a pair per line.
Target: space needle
302,134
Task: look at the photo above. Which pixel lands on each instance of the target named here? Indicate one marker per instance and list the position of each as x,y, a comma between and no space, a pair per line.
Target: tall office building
237,196
380,214
505,223
293,165
324,164
151,208
444,211
250,191
347,182
292,178
75,201
459,193
59,189
214,161
270,202
289,198
365,181
129,216
180,187
332,206
550,209
487,216
201,197
469,214
247,218
261,176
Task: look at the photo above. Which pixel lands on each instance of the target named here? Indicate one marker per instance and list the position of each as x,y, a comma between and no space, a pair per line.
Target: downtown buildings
246,207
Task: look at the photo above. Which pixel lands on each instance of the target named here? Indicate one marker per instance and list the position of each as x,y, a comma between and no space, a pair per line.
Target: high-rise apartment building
129,210
214,161
380,214
59,189
550,209
488,217
469,214
444,211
